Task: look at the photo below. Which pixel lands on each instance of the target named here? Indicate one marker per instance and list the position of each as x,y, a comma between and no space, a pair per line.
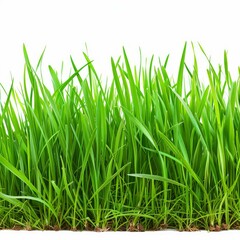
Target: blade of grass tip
135,97
203,102
180,71
33,80
150,69
140,64
40,59
166,61
195,65
95,74
188,70
117,82
80,80
217,84
125,87
147,93
65,84
29,67
210,63
227,73
92,69
55,80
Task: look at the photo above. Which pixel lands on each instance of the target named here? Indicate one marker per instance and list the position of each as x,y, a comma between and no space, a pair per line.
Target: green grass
143,151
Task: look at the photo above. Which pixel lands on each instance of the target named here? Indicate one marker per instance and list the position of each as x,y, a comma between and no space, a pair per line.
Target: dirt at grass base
130,228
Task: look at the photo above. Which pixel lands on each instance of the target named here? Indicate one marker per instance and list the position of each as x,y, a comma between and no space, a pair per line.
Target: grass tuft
141,152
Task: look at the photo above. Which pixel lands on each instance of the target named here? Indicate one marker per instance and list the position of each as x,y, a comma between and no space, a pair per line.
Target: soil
131,228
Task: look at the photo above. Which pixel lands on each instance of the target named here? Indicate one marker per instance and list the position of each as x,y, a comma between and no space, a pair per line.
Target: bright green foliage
142,150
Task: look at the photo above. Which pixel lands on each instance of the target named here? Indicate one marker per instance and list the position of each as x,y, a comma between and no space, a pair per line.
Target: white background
165,235
158,27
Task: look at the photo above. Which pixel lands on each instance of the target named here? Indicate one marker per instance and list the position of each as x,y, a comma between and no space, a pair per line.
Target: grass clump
144,152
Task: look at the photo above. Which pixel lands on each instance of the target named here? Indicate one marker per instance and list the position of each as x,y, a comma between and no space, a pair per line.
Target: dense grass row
141,152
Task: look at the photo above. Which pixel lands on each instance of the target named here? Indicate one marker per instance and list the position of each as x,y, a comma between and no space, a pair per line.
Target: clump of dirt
218,228
130,226
191,229
135,227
